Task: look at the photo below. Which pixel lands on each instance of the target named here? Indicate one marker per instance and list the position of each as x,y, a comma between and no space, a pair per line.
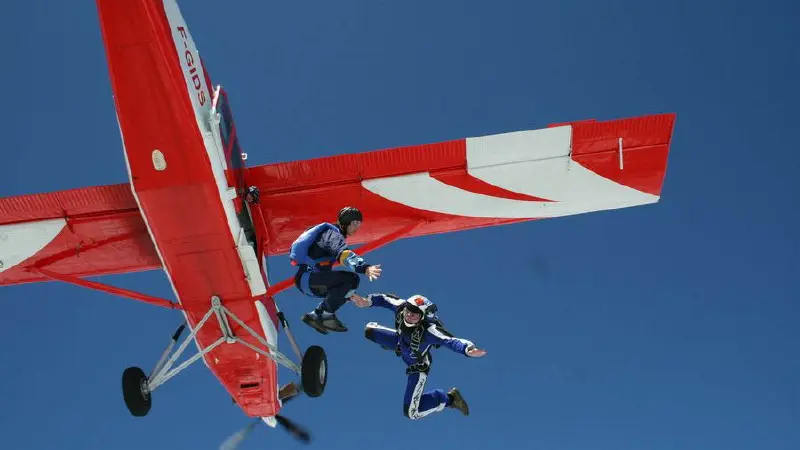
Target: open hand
373,272
475,352
359,301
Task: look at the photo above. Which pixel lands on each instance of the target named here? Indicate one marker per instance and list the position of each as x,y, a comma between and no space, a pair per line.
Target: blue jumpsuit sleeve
336,246
384,301
434,336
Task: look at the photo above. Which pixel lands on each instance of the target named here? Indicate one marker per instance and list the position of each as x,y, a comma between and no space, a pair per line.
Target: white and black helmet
419,304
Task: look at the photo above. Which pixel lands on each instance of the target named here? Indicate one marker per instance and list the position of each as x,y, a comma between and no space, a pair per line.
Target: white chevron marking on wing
20,241
559,179
533,162
579,188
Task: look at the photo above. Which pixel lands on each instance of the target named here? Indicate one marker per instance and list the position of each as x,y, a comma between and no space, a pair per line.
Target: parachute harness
428,319
423,358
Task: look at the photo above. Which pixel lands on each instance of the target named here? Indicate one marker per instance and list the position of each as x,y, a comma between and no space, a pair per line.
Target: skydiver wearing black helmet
314,252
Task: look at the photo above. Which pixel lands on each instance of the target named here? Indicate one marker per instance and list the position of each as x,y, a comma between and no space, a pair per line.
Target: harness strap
301,281
423,366
318,263
424,359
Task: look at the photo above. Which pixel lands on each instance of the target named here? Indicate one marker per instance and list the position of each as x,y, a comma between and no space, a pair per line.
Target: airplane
193,208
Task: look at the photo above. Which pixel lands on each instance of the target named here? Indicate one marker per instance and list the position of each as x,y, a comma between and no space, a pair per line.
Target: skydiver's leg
336,287
417,404
384,336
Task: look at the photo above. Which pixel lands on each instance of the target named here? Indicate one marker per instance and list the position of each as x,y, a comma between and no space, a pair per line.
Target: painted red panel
645,148
181,204
594,137
343,169
643,169
104,234
440,156
294,198
68,203
73,202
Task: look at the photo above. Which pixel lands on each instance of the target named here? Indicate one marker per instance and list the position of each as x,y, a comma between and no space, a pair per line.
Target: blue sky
662,327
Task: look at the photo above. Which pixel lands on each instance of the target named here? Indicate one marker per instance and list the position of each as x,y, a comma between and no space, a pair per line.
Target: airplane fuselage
177,162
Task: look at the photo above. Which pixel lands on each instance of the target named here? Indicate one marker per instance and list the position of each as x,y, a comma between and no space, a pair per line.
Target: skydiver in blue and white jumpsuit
415,333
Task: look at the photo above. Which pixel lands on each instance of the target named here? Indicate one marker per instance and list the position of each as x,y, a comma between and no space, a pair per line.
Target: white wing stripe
518,146
423,192
20,241
537,163
561,180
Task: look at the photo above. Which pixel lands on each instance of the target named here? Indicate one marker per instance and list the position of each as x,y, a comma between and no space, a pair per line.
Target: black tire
134,391
314,371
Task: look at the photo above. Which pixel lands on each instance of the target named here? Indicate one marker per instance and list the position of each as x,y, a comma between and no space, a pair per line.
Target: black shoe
457,401
313,320
324,322
332,323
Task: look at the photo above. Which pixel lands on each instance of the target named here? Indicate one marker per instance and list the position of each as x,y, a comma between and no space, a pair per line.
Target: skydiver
416,331
314,253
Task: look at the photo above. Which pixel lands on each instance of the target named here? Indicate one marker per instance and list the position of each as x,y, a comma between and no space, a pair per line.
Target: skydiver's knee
369,331
354,280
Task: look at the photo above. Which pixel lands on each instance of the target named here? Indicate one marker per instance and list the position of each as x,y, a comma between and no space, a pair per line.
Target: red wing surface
561,170
80,232
451,186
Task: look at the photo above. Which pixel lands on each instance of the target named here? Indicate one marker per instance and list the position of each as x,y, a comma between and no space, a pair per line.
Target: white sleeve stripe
395,302
377,326
438,333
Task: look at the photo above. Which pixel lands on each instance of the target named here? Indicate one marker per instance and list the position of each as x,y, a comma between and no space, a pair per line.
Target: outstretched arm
383,301
335,244
458,345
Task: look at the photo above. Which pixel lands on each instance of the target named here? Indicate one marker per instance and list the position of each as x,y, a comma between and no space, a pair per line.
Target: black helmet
348,214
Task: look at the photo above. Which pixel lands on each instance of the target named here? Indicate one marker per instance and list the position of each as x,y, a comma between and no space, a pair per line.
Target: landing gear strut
135,384
138,388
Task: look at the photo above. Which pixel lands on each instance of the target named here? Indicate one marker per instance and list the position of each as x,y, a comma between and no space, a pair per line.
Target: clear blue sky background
673,326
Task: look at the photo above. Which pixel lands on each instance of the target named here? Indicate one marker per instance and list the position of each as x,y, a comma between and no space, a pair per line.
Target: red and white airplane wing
564,169
81,232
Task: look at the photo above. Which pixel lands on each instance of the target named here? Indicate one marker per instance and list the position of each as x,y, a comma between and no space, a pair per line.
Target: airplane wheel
135,391
314,371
